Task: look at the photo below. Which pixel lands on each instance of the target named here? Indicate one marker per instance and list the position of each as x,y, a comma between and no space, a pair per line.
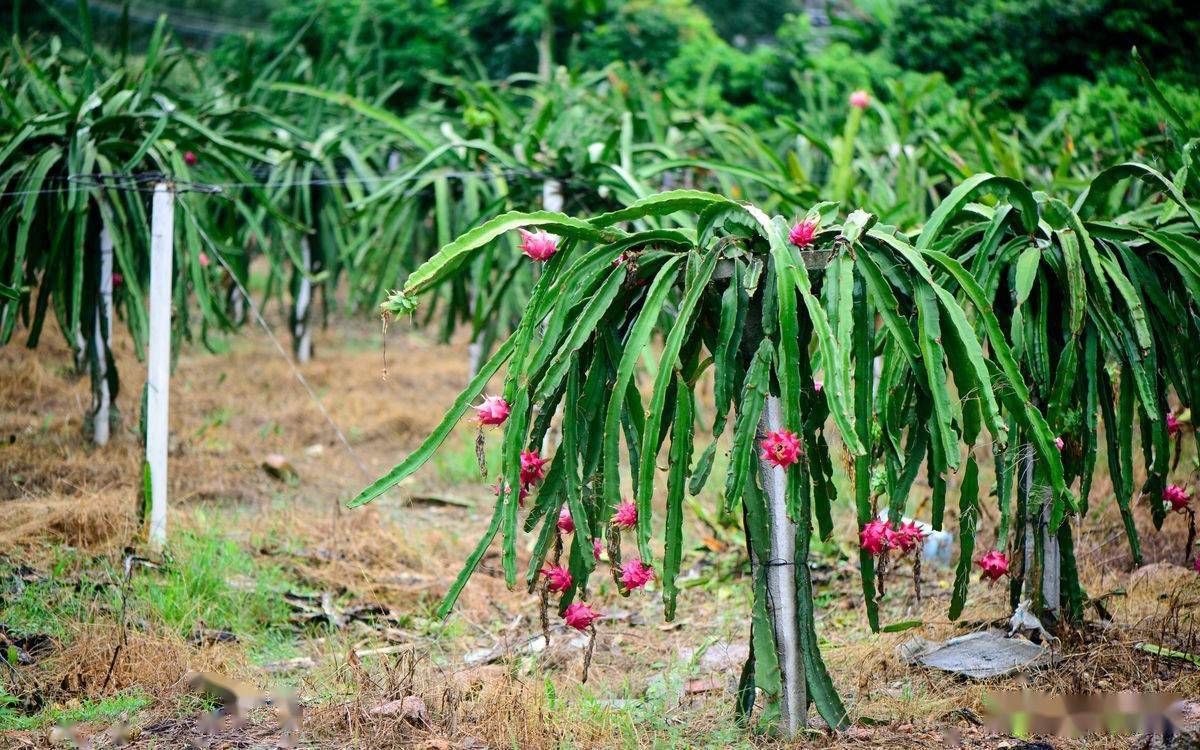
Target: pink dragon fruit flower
580,616
781,448
994,565
1196,564
1177,497
626,515
118,279
874,537
189,158
818,385
906,538
558,578
566,524
498,489
493,411
860,99
533,467
597,548
802,233
1058,443
539,245
204,261
1173,425
635,574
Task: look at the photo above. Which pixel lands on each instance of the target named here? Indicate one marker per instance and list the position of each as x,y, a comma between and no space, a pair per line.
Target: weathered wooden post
101,335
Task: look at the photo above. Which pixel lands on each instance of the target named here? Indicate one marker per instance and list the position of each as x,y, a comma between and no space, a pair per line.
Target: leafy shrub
1014,53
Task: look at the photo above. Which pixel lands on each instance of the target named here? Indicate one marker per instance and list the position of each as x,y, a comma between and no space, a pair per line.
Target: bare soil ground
360,646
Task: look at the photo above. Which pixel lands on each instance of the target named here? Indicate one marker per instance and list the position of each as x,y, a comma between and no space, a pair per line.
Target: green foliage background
1014,60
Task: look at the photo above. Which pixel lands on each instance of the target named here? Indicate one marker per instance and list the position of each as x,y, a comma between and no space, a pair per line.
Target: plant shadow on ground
253,562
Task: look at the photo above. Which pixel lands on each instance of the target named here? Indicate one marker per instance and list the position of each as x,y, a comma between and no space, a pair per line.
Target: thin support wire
278,346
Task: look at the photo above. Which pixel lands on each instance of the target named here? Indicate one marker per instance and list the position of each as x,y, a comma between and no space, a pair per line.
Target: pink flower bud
818,385
994,565
781,448
1058,443
539,245
580,616
802,233
558,578
860,99
189,158
493,411
533,467
524,493
1173,425
566,524
626,515
1177,497
118,279
635,574
204,261
874,537
597,548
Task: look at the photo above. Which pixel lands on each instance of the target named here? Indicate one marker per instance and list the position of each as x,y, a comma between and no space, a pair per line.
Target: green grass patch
104,711
209,581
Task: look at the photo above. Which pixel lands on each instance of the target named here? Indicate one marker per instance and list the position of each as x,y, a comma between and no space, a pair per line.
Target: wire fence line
143,182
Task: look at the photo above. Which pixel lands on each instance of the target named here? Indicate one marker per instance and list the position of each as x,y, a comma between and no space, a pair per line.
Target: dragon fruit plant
731,294
1097,304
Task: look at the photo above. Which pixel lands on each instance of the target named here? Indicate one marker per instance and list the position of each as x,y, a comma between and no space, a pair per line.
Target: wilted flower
580,616
189,158
566,524
802,233
597,548
994,565
635,574
860,99
493,411
781,448
533,467
626,515
1058,443
539,245
874,537
1173,425
1177,497
558,578
905,538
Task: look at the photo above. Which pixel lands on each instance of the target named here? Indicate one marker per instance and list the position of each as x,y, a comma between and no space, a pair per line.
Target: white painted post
552,200
301,331
101,338
162,234
552,195
781,581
